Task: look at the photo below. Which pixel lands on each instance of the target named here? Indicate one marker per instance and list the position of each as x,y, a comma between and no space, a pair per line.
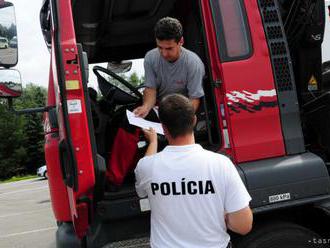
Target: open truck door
76,143
231,37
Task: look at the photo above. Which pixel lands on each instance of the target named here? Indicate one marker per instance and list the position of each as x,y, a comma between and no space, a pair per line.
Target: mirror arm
29,110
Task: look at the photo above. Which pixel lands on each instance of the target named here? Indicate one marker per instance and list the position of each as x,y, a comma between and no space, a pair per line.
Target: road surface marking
22,213
19,183
28,232
23,190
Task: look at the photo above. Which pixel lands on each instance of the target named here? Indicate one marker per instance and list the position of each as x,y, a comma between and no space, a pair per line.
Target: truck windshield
231,28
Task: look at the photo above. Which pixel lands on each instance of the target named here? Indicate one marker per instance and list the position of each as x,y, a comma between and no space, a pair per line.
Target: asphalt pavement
27,220
26,217
8,55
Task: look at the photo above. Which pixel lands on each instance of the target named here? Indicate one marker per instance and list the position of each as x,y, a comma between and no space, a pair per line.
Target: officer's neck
188,139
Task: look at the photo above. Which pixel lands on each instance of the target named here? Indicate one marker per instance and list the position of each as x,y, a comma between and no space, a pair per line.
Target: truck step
130,243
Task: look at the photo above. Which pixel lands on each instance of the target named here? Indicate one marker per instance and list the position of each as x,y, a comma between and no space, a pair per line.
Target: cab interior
114,31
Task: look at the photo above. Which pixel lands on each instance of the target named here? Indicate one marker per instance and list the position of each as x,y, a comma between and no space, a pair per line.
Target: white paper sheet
140,122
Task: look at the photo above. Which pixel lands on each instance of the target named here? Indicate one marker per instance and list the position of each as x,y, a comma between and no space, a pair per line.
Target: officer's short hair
168,28
177,114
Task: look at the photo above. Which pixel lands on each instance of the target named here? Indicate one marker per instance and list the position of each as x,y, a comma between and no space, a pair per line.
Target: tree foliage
133,79
21,145
22,137
9,33
12,153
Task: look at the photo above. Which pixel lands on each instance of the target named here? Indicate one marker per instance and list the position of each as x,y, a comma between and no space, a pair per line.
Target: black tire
66,237
281,235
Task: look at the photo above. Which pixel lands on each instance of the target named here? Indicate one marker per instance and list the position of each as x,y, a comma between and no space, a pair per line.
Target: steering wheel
113,92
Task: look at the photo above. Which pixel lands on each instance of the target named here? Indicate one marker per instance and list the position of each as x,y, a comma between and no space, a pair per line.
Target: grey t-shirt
184,76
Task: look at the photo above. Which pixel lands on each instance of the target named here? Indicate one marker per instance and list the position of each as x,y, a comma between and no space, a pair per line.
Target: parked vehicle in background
13,42
3,42
42,171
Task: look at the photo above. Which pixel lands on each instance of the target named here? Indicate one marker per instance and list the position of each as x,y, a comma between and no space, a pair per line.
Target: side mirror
120,67
8,35
10,83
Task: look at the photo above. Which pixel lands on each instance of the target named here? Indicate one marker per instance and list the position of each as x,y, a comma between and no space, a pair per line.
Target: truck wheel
66,237
281,235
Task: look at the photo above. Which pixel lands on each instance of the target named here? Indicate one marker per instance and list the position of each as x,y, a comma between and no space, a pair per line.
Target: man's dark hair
168,28
177,114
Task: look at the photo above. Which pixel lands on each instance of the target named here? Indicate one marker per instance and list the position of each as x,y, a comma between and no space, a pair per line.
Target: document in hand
140,122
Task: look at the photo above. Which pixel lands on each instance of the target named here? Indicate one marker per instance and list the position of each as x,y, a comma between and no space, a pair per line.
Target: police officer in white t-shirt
170,68
195,195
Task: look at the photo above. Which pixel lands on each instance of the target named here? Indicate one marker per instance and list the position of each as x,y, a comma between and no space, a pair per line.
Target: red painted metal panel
249,95
215,67
77,114
57,189
7,92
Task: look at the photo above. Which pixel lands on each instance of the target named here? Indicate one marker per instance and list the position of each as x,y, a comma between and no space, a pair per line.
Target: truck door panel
247,91
72,116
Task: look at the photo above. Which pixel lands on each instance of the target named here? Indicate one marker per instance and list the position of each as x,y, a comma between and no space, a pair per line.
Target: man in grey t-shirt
170,68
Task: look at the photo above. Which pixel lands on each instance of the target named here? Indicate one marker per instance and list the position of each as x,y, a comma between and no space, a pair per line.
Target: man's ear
195,120
181,41
166,133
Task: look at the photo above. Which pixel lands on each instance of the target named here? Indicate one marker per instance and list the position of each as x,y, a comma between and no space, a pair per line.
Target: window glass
232,30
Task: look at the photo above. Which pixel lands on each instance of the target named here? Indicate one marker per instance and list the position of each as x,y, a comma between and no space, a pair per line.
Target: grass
18,178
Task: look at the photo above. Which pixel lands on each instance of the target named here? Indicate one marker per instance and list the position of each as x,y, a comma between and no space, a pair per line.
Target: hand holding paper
139,122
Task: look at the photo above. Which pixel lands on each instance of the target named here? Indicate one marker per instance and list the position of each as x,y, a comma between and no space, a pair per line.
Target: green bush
21,137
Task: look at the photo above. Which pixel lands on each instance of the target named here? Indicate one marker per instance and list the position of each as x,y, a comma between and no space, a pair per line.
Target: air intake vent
278,48
270,16
281,68
283,76
267,3
274,32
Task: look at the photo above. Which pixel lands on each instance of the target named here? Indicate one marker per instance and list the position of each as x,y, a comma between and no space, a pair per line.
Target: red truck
266,106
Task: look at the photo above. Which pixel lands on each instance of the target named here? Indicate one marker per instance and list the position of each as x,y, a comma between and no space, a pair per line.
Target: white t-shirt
190,190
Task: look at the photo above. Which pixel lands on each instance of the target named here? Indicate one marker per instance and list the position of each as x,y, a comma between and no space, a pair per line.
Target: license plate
280,197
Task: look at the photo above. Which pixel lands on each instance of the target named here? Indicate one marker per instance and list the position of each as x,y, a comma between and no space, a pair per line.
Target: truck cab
266,107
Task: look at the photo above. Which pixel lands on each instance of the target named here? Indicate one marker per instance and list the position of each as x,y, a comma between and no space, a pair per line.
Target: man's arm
140,183
240,221
238,213
195,102
151,137
196,74
150,91
149,101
